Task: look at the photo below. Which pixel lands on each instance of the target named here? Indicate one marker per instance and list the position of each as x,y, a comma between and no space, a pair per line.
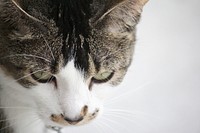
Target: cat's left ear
143,2
118,10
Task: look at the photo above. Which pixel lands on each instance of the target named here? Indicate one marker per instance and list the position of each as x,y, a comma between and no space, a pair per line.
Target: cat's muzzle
83,118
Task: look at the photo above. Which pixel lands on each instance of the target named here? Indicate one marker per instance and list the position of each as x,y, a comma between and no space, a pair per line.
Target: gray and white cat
52,52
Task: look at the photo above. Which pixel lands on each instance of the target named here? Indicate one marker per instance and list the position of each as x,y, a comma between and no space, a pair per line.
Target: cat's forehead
71,21
99,33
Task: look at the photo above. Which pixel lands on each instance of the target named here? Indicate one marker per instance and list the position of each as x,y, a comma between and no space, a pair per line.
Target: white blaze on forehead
69,74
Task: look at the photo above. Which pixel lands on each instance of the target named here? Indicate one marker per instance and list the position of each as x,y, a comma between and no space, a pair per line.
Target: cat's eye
42,77
103,77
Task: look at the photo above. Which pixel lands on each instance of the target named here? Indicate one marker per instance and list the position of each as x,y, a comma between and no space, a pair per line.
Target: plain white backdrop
161,92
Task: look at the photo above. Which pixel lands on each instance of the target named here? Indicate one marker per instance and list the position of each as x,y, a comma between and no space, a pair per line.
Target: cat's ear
143,2
119,12
15,21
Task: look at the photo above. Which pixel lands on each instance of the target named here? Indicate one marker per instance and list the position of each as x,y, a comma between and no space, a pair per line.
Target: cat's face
54,51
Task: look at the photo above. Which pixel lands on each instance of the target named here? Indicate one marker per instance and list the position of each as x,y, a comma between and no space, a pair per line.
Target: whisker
47,44
30,123
35,119
122,118
15,108
18,6
13,118
45,76
23,108
113,53
30,74
6,127
131,121
98,126
109,127
131,112
126,114
113,122
119,116
106,13
113,100
120,110
9,119
26,55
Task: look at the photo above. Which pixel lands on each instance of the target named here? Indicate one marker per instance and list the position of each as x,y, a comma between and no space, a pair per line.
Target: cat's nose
65,119
73,121
83,113
80,117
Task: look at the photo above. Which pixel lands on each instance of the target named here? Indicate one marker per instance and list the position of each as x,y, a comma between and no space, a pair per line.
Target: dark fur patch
4,125
72,19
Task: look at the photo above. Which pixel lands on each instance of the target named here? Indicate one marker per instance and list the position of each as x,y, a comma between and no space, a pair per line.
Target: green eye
103,77
42,76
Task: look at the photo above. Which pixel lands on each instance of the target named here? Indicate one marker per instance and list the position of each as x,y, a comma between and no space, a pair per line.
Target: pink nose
83,113
65,120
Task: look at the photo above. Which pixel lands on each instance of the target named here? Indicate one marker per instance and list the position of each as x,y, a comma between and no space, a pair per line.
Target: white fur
40,101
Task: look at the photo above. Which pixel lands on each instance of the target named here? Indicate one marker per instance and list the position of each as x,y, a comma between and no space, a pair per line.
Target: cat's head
54,51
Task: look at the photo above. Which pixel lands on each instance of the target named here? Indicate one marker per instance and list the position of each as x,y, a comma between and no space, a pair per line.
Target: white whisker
113,100
109,127
112,53
30,74
15,108
120,116
131,116
98,126
120,110
107,12
27,55
113,122
18,6
47,44
30,123
1,120
6,127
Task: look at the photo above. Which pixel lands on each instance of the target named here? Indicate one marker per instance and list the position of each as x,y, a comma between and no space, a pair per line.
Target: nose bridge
73,90
76,98
77,93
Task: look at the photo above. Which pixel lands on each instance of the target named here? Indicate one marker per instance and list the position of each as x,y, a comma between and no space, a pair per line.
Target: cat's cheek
102,91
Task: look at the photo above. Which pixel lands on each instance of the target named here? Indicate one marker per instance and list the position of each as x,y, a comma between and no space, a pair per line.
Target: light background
161,92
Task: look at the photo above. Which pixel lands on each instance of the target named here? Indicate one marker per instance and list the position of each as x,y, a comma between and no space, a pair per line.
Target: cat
53,52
